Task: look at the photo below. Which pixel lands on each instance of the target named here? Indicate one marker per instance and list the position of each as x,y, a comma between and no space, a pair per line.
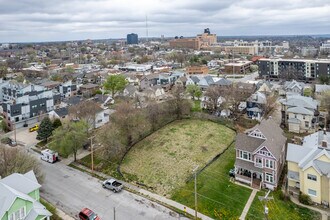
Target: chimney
324,144
324,141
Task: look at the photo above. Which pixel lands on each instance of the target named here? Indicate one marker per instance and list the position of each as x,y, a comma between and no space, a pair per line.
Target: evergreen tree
57,123
45,129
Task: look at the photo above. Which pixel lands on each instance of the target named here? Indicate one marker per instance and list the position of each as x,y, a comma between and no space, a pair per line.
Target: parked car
49,156
232,172
34,128
113,185
87,214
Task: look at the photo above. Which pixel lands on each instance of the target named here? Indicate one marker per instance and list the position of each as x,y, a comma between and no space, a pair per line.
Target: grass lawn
164,160
216,192
280,210
196,106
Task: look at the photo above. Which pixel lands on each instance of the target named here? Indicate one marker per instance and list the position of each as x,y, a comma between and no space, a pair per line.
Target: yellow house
309,167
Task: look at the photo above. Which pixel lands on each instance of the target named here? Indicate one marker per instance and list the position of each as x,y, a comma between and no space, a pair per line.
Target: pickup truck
113,185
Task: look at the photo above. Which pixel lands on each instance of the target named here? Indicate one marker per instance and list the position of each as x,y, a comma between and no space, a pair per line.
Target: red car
87,214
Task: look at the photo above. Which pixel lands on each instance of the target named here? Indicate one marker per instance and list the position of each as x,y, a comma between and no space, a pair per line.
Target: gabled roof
247,143
195,79
62,112
292,84
275,139
302,101
300,110
223,82
15,181
307,155
321,88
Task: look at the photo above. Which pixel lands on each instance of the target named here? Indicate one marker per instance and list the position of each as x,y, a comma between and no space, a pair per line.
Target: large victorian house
260,155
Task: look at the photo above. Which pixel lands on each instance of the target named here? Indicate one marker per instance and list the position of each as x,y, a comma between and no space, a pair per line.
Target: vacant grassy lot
281,210
216,193
165,159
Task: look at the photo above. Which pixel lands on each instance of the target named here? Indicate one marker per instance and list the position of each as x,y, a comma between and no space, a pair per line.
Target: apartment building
189,43
302,69
325,47
192,70
23,103
239,67
309,167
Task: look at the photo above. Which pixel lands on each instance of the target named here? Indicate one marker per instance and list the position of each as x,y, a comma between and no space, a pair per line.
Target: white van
49,156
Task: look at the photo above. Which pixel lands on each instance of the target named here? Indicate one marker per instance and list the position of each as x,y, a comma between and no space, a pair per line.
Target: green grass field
164,160
280,210
217,194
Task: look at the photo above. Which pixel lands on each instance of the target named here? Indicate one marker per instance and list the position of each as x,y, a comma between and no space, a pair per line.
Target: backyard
164,160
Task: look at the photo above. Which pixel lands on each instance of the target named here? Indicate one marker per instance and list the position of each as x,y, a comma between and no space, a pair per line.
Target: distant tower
147,27
132,38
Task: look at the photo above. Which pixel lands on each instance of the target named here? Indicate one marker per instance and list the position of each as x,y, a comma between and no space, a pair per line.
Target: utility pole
114,213
266,199
195,171
92,156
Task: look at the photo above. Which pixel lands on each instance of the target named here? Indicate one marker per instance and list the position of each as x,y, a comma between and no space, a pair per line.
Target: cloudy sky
52,20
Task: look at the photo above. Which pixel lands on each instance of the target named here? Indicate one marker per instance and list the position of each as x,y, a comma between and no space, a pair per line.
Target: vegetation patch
164,160
218,197
280,208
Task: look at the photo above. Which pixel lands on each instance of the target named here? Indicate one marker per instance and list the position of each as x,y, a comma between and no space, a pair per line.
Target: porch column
251,183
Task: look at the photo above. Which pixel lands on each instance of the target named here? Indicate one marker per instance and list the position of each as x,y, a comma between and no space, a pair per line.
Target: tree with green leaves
45,129
70,137
57,123
115,84
194,91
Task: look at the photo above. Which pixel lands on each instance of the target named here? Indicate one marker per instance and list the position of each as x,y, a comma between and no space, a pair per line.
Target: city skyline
34,21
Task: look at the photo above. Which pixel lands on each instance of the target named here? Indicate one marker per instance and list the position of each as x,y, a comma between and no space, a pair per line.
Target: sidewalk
153,196
248,204
324,213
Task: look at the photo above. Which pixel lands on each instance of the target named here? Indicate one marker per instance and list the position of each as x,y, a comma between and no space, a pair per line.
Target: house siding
18,203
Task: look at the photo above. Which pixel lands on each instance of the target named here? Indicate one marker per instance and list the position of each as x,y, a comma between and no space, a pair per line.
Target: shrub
283,196
305,199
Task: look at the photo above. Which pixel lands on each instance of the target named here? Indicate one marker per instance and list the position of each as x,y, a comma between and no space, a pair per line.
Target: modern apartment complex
309,167
325,47
302,69
22,103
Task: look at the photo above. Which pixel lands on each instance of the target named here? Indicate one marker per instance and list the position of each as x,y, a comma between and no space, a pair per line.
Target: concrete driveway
72,190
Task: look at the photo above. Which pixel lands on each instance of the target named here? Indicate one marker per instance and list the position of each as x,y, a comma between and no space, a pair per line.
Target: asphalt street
72,190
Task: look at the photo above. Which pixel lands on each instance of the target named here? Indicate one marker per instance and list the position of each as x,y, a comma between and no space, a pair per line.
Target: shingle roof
244,142
321,88
247,165
300,110
15,181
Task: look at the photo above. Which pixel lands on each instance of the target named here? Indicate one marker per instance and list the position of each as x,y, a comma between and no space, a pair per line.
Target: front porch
252,178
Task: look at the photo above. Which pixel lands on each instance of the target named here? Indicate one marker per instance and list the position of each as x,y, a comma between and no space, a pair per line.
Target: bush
305,199
4,126
57,123
283,196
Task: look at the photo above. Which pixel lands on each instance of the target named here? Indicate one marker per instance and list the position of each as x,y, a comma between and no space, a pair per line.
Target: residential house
264,87
260,155
300,113
154,93
130,91
192,80
205,82
223,82
60,113
309,167
20,198
320,89
149,81
67,89
182,81
293,87
255,105
88,89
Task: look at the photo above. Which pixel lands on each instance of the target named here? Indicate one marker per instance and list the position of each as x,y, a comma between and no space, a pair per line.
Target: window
311,192
245,155
311,177
259,162
306,124
270,164
269,178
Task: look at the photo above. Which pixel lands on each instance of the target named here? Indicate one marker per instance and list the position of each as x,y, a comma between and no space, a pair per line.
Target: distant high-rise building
132,38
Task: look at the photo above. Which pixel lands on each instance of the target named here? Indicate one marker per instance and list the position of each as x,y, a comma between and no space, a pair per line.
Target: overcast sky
52,20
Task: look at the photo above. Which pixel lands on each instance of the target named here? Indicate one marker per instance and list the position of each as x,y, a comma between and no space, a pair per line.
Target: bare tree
270,105
130,122
180,105
14,160
86,110
213,93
